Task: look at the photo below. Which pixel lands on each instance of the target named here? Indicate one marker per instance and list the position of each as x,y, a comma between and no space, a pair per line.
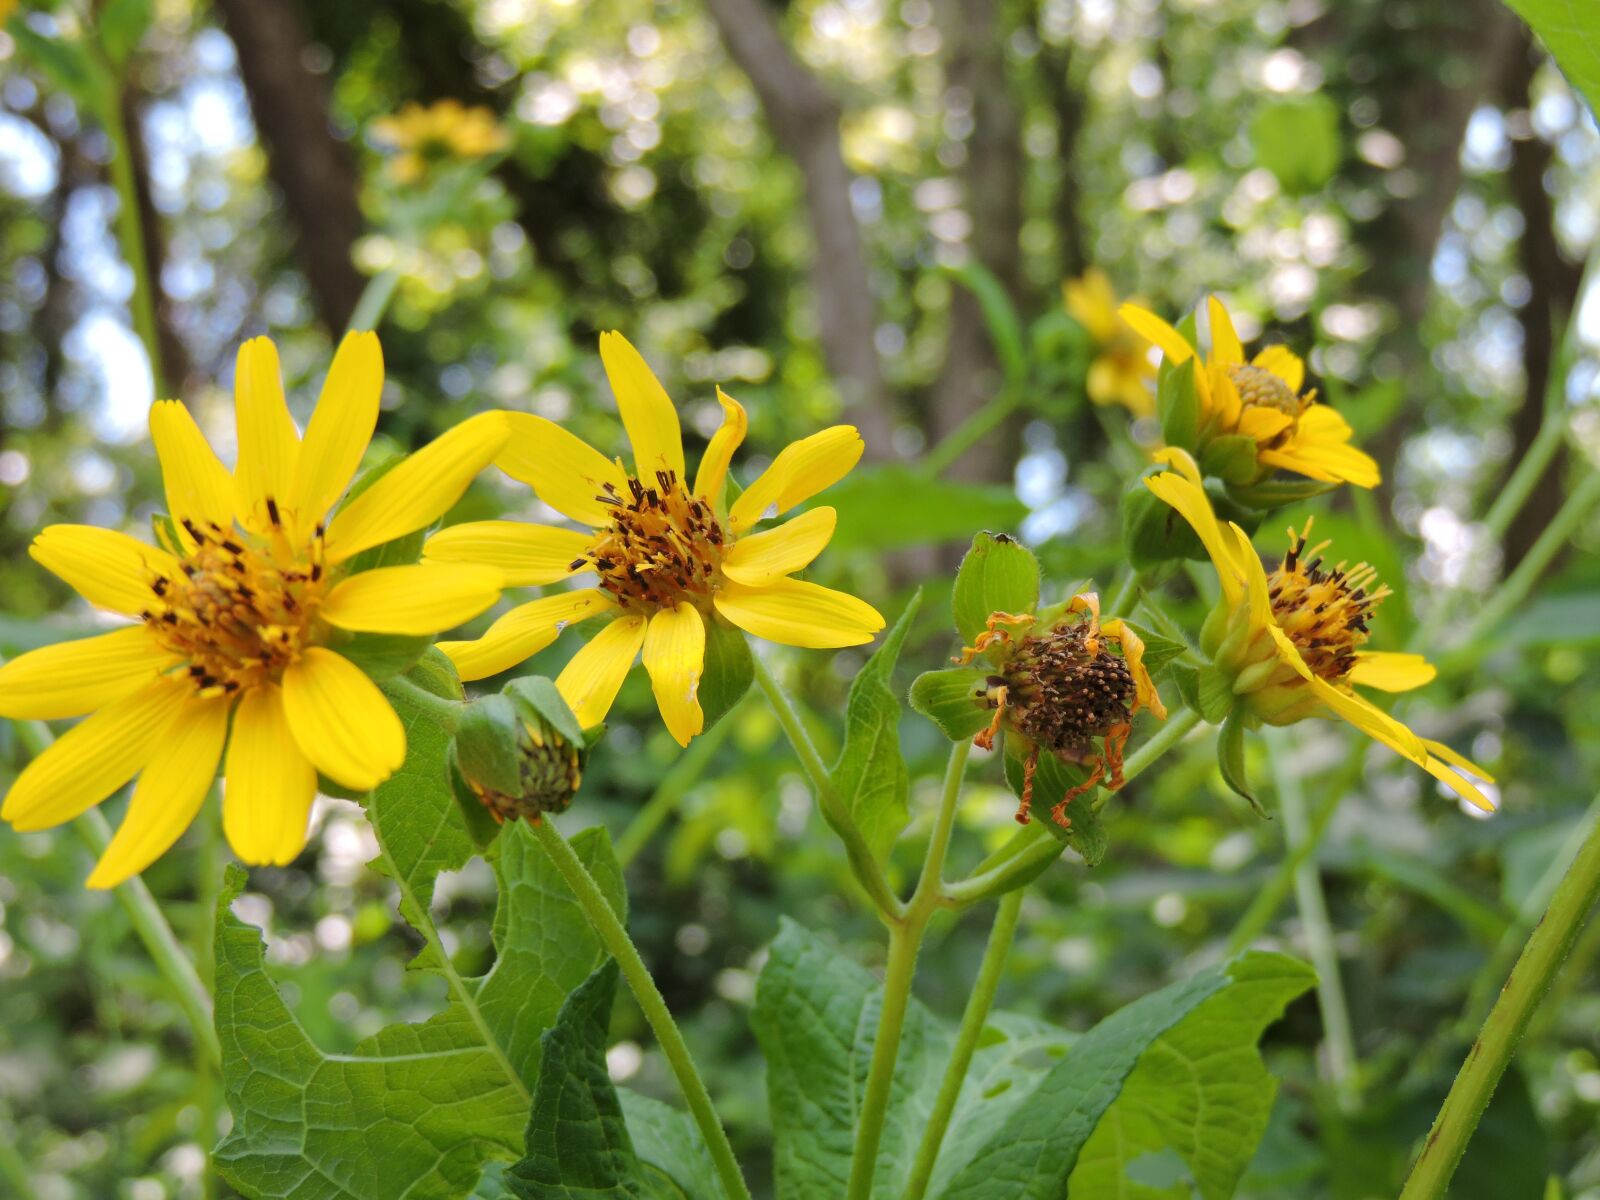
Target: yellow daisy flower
1260,399
438,132
1289,646
239,616
1121,372
670,557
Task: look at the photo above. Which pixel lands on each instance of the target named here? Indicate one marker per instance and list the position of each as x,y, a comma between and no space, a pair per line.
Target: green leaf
728,673
1215,698
122,25
417,1109
1570,30
1231,457
380,655
871,772
1178,405
1052,779
999,574
952,700
1275,493
667,1140
1230,757
1134,1086
1152,530
67,63
1298,141
888,506
815,1016
1159,650
999,317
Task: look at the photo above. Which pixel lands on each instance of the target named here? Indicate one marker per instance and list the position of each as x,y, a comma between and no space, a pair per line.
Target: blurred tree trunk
992,184
313,169
1553,283
176,365
1069,106
804,121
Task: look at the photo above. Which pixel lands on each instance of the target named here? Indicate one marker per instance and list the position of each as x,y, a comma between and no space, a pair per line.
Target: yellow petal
1254,576
1192,504
420,598
171,789
1144,688
1153,329
1328,463
762,557
796,613
420,490
268,441
1263,424
93,758
590,682
1440,750
713,472
564,471
801,470
675,656
72,678
340,428
108,569
1225,345
524,554
1391,672
647,412
341,721
1285,364
523,632
1457,782
1360,712
198,486
269,783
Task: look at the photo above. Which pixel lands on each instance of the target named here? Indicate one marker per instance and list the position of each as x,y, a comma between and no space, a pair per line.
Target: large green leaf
815,1016
1298,141
1570,30
999,574
886,506
1173,1075
871,772
416,1109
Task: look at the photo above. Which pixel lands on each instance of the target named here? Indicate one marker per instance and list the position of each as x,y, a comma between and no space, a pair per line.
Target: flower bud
519,753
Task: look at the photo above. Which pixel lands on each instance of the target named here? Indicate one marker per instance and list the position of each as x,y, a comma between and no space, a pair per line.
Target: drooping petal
268,440
713,472
1255,578
675,656
93,758
1226,348
1440,750
1391,672
1185,495
759,558
563,470
794,612
801,470
1284,363
524,554
647,412
340,429
198,486
1456,781
171,789
1356,710
590,682
524,631
269,781
108,569
341,721
420,598
1152,328
1144,688
73,678
420,490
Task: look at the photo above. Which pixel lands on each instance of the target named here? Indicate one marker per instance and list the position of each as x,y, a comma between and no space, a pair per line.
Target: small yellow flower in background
670,557
1121,372
443,131
235,617
1260,399
1290,646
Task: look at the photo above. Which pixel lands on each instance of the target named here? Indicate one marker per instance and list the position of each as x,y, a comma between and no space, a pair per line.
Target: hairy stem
608,927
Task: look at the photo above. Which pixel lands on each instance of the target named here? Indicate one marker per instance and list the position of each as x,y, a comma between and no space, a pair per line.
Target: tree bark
177,366
313,169
804,121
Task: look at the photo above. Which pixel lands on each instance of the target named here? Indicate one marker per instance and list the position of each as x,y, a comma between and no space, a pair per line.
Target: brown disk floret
1324,611
663,546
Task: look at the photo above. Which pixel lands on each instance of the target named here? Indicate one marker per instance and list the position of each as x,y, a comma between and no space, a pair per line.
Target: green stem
1535,461
374,300
1119,604
979,1003
684,773
964,436
130,228
868,871
1547,947
905,940
1341,1060
443,709
604,921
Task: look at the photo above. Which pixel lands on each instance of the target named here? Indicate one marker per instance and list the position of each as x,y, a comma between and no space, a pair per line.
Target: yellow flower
1057,685
239,615
1290,646
442,131
670,557
1121,372
1261,400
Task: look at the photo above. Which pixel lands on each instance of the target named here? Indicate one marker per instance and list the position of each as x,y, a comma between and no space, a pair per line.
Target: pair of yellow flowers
241,613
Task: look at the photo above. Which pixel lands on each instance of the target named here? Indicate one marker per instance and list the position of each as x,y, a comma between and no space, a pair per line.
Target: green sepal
1178,406
165,530
539,695
1187,681
1275,493
482,828
1152,530
485,743
998,574
380,655
434,672
1231,458
953,700
1214,698
1052,779
399,552
729,670
1230,758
